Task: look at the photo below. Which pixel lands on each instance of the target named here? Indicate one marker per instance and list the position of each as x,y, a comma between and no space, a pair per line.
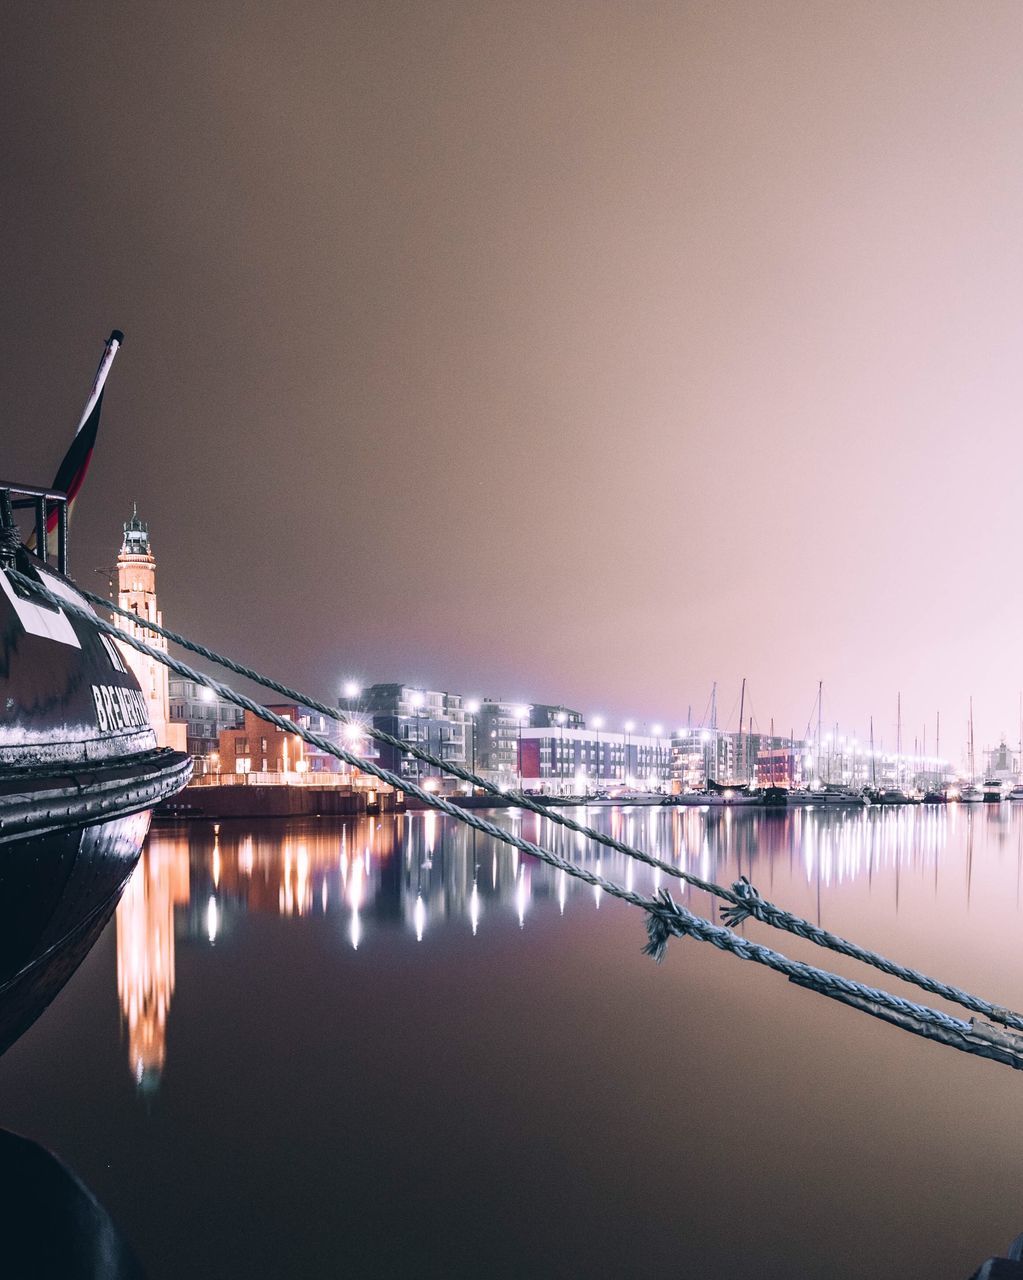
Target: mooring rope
666,918
744,898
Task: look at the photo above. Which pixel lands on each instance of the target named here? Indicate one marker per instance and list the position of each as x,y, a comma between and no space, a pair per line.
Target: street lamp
598,724
351,689
629,726
561,717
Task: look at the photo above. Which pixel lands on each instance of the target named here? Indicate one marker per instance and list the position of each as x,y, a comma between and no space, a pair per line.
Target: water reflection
145,953
427,875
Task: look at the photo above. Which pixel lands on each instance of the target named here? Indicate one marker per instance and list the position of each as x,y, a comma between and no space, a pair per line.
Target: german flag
71,472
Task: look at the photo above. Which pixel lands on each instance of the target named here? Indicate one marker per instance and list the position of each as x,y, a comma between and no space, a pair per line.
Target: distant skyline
582,353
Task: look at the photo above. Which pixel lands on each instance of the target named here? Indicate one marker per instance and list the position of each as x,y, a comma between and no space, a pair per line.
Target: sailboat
890,794
971,793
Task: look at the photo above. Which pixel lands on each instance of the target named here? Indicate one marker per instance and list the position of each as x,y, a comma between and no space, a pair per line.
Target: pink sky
558,351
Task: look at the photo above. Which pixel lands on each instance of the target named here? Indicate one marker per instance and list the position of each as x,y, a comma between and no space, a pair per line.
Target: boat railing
25,497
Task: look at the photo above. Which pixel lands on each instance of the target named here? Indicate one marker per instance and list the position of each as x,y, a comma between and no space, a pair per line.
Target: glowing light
657,730
352,732
207,695
419,917
351,689
417,700
630,725
561,717
474,908
472,706
211,919
597,722
522,897
521,713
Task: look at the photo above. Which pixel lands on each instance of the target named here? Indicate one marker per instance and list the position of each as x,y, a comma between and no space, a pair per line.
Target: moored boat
994,790
76,743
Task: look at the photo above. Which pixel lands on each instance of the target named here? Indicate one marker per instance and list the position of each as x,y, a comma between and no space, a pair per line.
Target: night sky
581,352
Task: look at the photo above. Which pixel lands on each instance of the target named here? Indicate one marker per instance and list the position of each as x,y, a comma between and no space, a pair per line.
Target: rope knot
664,920
750,904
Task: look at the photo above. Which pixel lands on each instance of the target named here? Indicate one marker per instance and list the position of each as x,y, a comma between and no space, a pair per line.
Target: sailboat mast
739,751
973,765
873,762
898,743
820,703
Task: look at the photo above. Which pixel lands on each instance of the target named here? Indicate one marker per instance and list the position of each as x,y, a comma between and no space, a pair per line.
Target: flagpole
106,360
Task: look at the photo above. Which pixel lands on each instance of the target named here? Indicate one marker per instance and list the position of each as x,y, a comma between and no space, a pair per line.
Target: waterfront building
494,728
254,747
570,761
136,592
543,715
699,756
1002,763
203,715
430,718
780,762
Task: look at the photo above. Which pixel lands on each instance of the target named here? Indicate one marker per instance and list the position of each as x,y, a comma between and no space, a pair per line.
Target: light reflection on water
426,874
393,1048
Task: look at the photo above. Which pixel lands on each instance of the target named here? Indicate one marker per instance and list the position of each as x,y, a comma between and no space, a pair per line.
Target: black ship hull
76,744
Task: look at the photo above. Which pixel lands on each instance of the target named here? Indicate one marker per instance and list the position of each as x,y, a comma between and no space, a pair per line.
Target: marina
389,852
511,765
286,1025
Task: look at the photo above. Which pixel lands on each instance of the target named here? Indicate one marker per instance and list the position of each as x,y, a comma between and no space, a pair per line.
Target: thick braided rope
745,899
754,905
666,917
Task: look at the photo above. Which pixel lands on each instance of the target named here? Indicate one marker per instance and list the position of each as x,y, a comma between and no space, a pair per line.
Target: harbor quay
245,767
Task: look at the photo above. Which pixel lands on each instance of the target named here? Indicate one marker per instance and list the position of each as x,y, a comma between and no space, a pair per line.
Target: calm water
381,1048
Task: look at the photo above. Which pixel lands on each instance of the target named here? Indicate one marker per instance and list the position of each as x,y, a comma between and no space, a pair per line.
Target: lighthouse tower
136,591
